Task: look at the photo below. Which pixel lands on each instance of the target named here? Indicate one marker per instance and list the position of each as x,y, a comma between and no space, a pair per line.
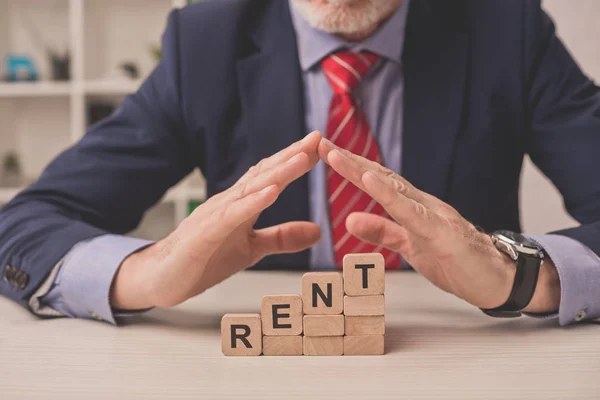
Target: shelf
34,89
198,194
180,3
181,193
56,89
112,88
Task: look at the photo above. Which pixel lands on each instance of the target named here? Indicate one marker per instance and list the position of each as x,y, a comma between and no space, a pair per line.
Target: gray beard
338,18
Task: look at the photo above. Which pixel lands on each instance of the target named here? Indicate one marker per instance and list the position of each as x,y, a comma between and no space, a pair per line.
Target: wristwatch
528,255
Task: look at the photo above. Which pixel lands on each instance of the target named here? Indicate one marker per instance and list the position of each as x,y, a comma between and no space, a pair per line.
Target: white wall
578,24
112,45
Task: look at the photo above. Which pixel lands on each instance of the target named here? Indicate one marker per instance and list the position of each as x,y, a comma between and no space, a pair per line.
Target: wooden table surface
436,347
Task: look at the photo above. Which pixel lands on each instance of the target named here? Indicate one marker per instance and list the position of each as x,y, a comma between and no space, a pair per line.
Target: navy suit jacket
485,83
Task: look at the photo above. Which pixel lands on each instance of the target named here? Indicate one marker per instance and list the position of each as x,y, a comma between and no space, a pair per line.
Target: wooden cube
323,325
370,345
371,325
282,345
241,335
364,305
364,274
281,314
323,345
323,293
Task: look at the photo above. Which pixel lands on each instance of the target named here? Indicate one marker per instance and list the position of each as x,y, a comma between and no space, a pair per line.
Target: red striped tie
348,128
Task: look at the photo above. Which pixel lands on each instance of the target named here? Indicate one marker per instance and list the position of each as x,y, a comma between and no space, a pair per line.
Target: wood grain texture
281,314
369,345
364,274
241,335
282,345
324,325
364,305
436,347
323,293
323,346
367,325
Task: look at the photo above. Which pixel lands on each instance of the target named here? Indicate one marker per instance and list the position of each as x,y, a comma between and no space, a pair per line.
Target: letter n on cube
323,293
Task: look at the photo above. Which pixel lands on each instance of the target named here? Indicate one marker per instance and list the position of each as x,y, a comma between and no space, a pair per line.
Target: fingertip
324,148
353,222
311,136
328,143
317,233
311,141
289,237
367,177
332,156
309,160
306,233
300,157
350,219
370,180
317,134
270,192
312,235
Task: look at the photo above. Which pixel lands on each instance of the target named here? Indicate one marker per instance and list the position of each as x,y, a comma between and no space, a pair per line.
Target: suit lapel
272,99
270,82
435,62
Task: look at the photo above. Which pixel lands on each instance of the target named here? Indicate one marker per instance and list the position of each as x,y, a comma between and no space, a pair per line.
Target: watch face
518,240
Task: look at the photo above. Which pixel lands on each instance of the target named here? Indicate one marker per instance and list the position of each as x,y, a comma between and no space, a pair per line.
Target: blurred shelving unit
38,120
34,89
111,87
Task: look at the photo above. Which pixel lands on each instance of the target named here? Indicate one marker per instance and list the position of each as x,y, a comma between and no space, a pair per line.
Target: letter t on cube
364,274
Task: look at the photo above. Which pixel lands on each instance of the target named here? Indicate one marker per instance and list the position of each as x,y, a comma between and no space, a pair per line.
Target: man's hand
434,238
218,239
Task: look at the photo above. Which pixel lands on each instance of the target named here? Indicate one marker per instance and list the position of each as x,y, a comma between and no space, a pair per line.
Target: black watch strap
528,268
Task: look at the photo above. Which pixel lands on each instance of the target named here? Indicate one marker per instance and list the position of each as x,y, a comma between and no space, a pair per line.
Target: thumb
378,230
290,237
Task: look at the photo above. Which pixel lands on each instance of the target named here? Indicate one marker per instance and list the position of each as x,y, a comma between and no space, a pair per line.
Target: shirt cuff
579,273
82,285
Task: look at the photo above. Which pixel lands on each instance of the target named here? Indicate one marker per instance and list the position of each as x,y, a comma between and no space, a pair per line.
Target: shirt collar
314,45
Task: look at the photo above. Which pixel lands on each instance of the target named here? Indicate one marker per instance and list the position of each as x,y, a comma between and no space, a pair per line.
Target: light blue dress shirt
82,284
380,96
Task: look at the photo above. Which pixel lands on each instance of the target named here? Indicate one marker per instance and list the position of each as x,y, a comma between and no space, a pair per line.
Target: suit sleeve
579,274
103,184
564,117
564,139
80,284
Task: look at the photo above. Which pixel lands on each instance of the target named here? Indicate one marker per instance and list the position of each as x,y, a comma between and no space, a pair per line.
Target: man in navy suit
448,96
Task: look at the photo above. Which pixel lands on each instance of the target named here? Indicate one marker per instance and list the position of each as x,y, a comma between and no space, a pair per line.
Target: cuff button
96,316
21,281
580,316
15,277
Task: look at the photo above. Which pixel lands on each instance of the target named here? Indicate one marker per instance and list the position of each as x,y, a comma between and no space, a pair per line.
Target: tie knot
345,70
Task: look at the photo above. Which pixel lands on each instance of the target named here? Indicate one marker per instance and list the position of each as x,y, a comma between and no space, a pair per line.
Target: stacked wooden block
364,304
338,313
